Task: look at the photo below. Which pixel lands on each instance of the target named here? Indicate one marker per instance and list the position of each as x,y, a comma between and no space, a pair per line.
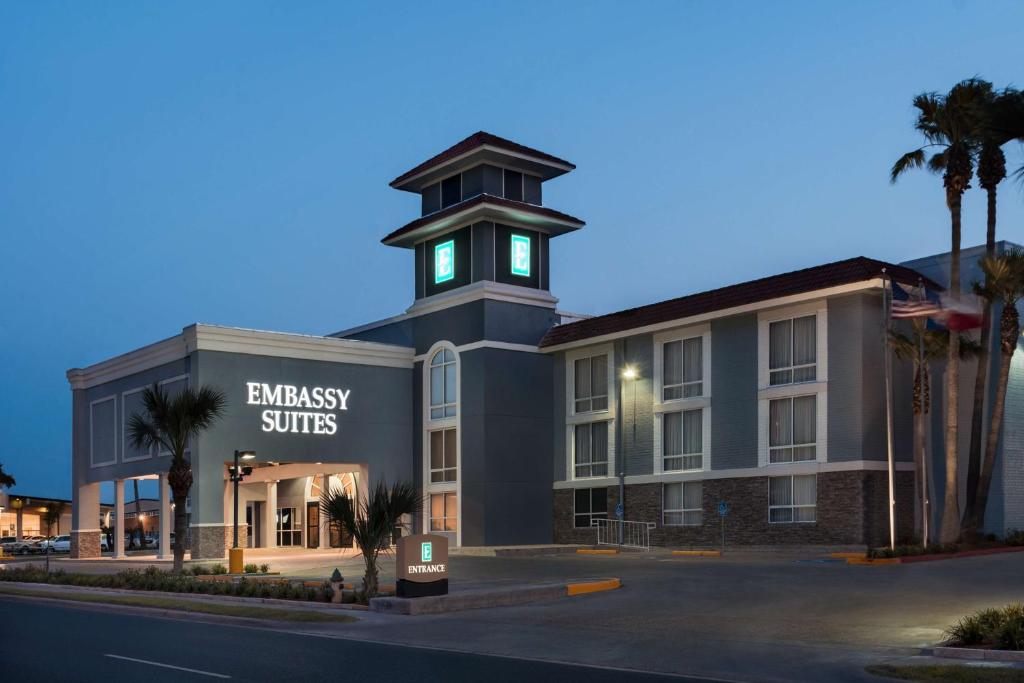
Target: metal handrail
623,533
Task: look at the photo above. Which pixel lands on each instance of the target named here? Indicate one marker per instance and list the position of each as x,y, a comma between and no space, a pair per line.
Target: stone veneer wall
851,511
85,544
210,542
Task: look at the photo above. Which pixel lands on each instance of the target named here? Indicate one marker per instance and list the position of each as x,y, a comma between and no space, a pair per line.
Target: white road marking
168,666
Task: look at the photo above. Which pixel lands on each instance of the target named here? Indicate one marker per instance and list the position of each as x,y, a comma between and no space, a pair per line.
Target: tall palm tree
170,424
1000,121
1006,277
949,125
922,348
371,523
6,480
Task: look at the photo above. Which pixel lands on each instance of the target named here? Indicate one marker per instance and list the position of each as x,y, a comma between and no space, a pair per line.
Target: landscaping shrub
200,569
1002,629
218,569
264,568
250,568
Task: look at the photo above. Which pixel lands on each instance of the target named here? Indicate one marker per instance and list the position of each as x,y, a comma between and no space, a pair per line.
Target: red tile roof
534,209
797,282
478,139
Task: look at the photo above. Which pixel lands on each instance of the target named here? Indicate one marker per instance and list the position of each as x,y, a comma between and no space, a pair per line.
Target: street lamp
238,473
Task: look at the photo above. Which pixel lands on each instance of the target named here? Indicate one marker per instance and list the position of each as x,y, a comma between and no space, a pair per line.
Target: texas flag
957,314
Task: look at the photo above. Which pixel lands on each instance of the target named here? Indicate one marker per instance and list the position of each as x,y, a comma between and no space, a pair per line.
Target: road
48,642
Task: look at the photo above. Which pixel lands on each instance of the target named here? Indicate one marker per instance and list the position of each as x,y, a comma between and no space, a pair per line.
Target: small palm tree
371,523
1005,275
949,123
6,480
171,424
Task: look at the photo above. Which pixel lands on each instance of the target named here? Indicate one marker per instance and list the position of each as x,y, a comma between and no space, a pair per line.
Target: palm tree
52,516
6,480
922,349
371,523
1006,277
1000,121
948,123
170,424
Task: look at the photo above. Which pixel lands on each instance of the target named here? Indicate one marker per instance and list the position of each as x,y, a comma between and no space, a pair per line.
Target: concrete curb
303,605
484,598
597,551
913,559
974,653
697,553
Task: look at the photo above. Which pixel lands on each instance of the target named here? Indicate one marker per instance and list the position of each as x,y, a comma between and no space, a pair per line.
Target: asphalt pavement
47,642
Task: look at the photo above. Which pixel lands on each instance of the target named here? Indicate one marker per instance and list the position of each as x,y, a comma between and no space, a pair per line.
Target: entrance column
85,518
119,519
18,525
325,524
165,519
270,516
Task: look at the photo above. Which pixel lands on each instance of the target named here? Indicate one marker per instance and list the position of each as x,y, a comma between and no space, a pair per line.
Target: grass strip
948,673
220,609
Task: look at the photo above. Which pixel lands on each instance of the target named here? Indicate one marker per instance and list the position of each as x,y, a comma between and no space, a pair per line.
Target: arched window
442,385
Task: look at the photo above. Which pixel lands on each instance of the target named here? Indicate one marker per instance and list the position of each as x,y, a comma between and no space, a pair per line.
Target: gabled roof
845,272
482,207
547,165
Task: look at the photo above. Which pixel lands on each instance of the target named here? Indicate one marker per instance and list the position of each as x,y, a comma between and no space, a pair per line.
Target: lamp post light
238,472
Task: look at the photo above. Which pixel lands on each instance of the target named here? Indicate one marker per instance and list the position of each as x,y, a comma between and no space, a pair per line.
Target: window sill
787,390
677,404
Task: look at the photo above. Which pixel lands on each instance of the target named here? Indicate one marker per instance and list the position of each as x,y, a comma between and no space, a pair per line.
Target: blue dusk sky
167,163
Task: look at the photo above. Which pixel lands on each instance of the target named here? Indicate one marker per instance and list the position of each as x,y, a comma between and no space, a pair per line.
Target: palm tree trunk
919,482
980,384
951,506
1009,332
371,579
180,529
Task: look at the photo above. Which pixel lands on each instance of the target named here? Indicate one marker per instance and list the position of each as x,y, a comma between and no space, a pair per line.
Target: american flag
915,309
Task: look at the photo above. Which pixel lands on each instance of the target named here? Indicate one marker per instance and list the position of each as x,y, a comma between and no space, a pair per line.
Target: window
451,190
442,385
792,350
513,185
444,512
683,440
682,504
443,454
683,369
288,531
792,499
591,384
520,250
590,450
792,429
444,262
588,505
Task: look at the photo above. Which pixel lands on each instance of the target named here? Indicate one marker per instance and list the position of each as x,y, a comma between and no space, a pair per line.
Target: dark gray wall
82,472
635,440
734,392
375,430
506,453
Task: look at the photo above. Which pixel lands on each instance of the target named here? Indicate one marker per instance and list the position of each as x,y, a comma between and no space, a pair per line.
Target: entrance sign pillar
119,519
164,552
270,516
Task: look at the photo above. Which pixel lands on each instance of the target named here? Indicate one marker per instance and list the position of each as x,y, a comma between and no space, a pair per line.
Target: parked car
27,544
61,544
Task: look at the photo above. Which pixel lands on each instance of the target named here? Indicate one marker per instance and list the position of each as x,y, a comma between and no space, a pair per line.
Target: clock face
444,261
520,255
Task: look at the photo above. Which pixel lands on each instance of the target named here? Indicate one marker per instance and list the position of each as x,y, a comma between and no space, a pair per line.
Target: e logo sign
520,255
426,552
444,261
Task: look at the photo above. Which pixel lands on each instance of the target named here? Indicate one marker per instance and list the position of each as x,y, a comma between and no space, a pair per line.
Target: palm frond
6,480
915,159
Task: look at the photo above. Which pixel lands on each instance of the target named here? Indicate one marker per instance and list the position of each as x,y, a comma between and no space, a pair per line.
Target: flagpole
887,325
922,368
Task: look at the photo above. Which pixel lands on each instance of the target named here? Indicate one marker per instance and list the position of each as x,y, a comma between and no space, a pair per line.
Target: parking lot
750,616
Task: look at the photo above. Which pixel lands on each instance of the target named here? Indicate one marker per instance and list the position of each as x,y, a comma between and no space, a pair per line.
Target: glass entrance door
312,525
